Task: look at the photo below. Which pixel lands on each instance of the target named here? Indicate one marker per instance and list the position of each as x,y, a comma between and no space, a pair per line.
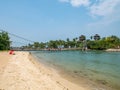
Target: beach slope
22,72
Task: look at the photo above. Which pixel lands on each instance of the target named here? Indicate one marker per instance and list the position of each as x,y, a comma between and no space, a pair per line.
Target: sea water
97,66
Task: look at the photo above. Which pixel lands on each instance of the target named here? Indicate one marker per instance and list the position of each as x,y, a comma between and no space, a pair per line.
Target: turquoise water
98,66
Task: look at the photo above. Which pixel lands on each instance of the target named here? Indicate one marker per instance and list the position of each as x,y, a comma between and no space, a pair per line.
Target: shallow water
98,66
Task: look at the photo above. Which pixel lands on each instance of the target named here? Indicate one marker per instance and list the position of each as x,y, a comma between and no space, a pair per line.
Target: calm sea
96,67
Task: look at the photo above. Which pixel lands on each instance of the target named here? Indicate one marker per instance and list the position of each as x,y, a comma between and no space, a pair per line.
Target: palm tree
36,45
82,38
91,37
30,46
68,39
96,37
74,40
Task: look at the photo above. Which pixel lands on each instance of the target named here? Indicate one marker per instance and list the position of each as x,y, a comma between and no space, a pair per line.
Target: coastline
77,76
23,72
3,59
113,50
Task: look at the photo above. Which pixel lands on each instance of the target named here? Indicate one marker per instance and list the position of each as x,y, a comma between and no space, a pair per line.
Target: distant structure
84,48
21,43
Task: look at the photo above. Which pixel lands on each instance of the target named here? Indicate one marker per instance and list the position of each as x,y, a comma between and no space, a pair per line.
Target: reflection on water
102,67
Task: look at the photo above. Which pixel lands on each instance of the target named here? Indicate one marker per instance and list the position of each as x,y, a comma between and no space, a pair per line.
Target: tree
4,41
42,45
96,37
36,45
112,41
74,40
97,44
52,44
91,37
68,39
82,38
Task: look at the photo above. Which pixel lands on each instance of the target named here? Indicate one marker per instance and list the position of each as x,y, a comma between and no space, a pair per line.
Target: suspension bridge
17,42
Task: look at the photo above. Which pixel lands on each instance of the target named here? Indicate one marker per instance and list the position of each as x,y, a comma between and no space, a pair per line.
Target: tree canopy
95,42
4,41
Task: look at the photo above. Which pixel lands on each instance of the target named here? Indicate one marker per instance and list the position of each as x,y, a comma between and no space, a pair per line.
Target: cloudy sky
43,20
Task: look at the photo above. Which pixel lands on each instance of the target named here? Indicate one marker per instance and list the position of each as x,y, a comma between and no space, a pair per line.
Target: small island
96,42
24,70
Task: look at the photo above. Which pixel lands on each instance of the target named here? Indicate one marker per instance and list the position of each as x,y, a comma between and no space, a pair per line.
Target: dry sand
4,58
113,50
22,72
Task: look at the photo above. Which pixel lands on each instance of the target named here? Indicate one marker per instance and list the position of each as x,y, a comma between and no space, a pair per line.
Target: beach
113,50
84,68
23,72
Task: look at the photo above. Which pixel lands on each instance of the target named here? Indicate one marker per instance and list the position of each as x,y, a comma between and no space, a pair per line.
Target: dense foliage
95,43
4,41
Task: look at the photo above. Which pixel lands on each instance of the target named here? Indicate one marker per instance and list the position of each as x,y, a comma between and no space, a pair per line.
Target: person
11,52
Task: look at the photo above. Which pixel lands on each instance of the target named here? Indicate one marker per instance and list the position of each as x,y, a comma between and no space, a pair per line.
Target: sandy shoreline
22,72
4,58
113,50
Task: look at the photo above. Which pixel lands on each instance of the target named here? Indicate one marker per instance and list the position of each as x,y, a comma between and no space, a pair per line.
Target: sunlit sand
22,72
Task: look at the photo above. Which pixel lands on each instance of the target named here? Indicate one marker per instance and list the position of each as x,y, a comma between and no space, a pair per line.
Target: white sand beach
22,72
113,50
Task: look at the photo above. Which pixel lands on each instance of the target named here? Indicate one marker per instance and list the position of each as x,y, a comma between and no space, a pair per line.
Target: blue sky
44,20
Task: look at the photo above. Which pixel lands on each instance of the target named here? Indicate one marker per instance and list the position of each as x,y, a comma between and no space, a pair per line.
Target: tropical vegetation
94,43
4,41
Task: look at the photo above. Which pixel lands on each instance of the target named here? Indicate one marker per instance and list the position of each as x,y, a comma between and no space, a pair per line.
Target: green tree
91,37
82,38
52,44
42,45
36,45
112,41
96,37
68,39
30,46
4,41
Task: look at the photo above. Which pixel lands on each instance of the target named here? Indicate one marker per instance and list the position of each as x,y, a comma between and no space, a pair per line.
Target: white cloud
104,7
64,0
109,10
97,7
77,3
